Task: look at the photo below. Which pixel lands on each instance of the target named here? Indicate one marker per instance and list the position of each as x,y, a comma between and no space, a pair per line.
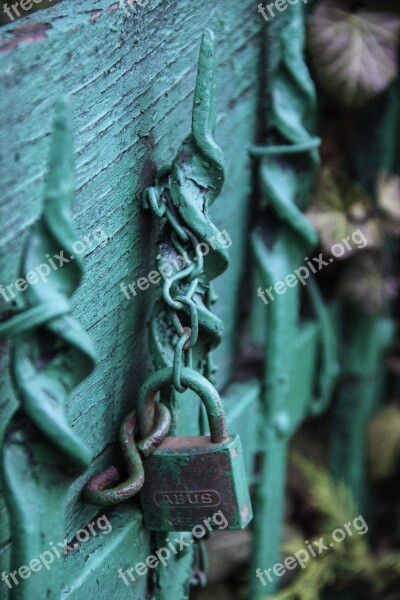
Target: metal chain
186,244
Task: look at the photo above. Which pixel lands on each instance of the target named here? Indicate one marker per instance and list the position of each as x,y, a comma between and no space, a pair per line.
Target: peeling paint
31,34
95,14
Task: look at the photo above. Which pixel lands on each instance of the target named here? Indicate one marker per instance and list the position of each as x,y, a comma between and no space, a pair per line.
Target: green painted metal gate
76,347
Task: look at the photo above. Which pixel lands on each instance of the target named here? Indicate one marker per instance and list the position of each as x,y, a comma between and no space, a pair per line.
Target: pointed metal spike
60,177
204,117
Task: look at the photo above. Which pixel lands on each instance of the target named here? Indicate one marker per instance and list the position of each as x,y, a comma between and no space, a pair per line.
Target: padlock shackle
192,380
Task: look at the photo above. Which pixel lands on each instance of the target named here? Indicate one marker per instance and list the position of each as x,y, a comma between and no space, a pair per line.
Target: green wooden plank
92,570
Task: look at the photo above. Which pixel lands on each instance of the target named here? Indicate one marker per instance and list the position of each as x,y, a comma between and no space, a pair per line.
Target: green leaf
339,208
354,51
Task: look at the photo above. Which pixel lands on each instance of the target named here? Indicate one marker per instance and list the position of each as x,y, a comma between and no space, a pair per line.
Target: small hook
96,492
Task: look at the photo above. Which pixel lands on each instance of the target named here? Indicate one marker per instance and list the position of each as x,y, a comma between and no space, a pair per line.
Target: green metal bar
276,421
285,186
282,149
359,398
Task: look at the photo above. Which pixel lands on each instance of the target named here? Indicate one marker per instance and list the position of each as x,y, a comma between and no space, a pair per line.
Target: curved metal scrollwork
50,353
184,191
286,169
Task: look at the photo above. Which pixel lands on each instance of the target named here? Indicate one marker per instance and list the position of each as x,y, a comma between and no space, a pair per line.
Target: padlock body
188,480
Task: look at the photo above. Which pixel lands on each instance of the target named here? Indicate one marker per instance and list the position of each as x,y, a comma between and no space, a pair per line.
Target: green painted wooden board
131,84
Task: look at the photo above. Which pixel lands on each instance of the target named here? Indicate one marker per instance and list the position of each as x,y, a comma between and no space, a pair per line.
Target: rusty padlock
190,479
